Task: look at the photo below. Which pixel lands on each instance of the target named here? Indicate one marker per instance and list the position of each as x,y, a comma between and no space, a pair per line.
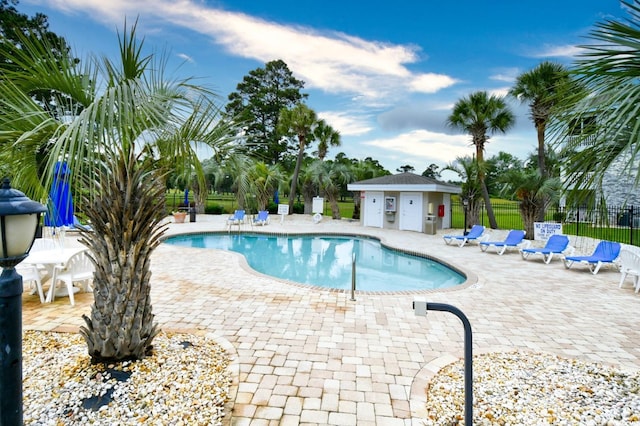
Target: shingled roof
404,181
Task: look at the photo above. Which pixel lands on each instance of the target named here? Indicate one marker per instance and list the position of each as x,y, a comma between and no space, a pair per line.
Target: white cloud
330,61
431,83
506,75
561,51
499,91
424,146
186,57
346,124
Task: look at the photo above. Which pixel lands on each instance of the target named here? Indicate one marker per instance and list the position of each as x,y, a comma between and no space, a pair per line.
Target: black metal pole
468,357
11,344
465,232
353,276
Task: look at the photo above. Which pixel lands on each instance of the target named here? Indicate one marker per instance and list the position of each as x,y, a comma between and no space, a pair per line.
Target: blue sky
385,74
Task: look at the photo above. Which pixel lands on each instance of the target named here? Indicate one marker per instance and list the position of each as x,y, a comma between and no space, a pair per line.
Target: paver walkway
310,356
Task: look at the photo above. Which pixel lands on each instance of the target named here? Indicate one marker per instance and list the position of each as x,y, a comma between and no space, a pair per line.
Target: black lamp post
19,218
465,204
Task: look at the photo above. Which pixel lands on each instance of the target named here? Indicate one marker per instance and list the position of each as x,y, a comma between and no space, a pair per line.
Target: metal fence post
631,225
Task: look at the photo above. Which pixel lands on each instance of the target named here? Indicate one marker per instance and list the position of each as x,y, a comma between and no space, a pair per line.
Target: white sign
317,206
283,208
543,230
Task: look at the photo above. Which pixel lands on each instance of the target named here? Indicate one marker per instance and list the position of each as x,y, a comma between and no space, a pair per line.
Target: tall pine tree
258,100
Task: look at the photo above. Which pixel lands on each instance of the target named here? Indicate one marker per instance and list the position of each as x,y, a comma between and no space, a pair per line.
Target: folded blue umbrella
60,205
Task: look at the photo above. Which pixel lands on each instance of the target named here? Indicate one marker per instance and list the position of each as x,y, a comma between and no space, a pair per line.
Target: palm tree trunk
126,218
485,192
540,127
296,172
487,202
333,202
308,191
473,215
529,212
356,205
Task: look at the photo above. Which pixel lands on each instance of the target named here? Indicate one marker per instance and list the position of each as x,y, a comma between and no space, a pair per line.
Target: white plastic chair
30,273
44,244
630,266
78,268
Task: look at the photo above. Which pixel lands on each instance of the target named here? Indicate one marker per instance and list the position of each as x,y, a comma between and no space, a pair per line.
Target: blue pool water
326,261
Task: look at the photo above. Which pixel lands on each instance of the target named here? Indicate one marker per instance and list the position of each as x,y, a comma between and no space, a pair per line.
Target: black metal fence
621,224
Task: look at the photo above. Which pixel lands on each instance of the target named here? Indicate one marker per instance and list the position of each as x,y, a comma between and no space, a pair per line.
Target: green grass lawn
226,204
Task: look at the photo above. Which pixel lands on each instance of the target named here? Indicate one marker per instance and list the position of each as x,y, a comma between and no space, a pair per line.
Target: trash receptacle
430,225
192,214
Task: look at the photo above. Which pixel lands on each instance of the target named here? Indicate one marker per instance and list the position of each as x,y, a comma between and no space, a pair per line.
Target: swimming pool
326,261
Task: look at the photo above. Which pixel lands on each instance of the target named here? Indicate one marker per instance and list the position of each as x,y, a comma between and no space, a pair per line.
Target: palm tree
481,115
361,170
609,71
534,191
326,136
469,171
116,125
297,121
236,168
542,88
308,186
205,127
329,176
264,180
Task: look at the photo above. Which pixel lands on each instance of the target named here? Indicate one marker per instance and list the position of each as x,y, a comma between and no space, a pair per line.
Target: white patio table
49,259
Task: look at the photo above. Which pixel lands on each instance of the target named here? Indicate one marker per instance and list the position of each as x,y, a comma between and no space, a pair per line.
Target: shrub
214,209
272,208
298,208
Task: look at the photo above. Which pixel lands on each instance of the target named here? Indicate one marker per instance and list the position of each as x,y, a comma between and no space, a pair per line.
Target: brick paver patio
312,356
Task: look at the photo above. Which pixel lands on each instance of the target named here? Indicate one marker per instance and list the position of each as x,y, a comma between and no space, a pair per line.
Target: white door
373,203
410,211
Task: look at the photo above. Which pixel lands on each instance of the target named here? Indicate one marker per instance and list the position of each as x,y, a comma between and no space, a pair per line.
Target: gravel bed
523,388
185,381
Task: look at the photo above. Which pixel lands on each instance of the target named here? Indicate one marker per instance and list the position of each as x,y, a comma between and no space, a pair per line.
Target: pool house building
406,202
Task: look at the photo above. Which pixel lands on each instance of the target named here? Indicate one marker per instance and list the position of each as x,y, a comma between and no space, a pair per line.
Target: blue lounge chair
475,233
513,240
236,219
556,244
262,218
605,252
